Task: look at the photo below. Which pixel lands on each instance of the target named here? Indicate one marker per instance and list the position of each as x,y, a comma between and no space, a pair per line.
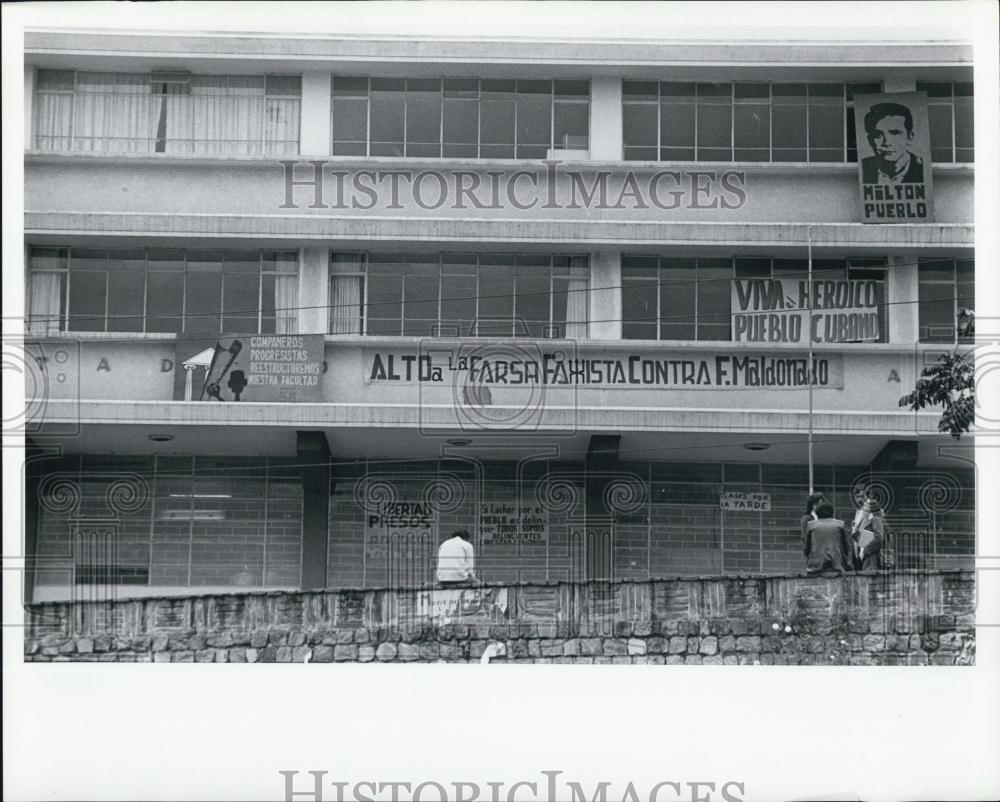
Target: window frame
153,143
855,264
516,331
949,102
554,100
66,271
953,283
848,90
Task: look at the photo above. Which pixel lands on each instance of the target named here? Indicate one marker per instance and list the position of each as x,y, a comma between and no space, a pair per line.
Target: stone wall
903,618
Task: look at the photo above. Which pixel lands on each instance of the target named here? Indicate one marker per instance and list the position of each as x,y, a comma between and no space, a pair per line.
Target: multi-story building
554,293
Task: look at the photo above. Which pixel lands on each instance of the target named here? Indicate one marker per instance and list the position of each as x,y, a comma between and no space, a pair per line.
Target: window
947,293
688,298
767,122
950,113
451,295
109,112
162,290
458,117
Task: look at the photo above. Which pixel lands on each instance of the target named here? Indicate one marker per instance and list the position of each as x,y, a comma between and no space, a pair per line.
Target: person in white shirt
456,561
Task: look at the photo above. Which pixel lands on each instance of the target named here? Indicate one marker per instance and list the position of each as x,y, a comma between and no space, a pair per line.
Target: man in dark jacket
827,544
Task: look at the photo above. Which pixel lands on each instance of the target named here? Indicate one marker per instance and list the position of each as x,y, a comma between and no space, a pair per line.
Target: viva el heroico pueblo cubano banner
783,310
894,158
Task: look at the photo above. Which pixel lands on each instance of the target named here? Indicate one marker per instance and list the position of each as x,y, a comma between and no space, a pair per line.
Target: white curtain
286,302
345,294
45,302
223,114
281,126
114,113
53,121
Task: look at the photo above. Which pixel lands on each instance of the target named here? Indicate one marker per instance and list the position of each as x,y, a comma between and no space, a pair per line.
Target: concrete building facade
556,293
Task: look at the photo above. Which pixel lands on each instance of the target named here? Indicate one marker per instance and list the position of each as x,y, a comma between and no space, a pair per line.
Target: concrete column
315,132
606,119
313,290
314,455
605,295
901,291
29,98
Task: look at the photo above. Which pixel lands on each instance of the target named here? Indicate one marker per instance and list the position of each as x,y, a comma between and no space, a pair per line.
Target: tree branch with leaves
950,384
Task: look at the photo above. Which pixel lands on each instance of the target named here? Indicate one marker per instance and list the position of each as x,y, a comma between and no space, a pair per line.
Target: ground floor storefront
168,525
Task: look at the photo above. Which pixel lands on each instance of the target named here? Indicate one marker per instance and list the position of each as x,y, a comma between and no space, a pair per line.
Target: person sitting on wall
828,548
456,561
811,503
889,127
868,535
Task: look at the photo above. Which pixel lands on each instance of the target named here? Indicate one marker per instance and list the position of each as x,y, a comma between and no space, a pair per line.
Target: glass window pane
280,261
87,295
458,301
757,91
714,132
677,126
752,267
639,125
937,317
826,133
54,80
534,119
790,268
497,122
241,300
126,289
934,89
571,126
284,85
788,132
420,296
350,126
640,90
164,302
854,90
165,291
461,87
49,258
822,92
532,300
713,298
388,103
939,116
202,302
677,299
640,281
423,118
721,93
674,90
346,86
964,130
461,122
574,89
385,295
496,296
852,141
788,93
752,132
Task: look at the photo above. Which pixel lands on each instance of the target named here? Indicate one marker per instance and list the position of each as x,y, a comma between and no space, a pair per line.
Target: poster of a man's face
889,130
894,158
